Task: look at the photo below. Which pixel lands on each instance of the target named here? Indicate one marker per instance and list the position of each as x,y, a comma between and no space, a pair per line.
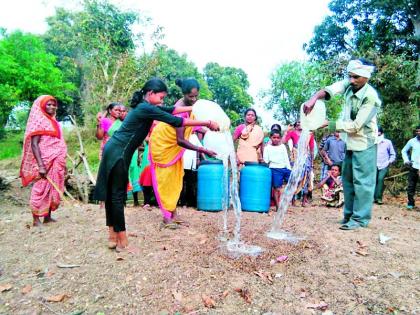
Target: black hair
338,165
187,85
381,130
418,127
295,124
251,110
275,127
155,85
274,132
110,107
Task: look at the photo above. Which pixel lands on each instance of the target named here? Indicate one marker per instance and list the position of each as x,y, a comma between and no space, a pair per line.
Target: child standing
275,154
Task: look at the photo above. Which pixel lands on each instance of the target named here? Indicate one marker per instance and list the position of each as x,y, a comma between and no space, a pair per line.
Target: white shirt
413,145
276,156
190,157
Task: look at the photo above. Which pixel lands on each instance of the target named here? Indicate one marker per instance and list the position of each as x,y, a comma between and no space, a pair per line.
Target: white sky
255,36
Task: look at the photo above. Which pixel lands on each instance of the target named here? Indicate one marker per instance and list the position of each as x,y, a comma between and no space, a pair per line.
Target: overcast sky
255,36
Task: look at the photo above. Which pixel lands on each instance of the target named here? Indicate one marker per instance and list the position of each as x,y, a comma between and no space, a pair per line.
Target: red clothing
294,135
53,150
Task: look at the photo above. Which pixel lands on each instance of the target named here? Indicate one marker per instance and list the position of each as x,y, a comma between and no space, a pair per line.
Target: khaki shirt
359,121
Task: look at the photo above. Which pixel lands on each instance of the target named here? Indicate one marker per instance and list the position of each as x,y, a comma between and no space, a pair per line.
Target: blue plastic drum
210,186
255,187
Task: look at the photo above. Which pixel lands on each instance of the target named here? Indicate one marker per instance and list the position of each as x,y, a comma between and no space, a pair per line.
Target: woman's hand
98,118
208,152
42,171
212,125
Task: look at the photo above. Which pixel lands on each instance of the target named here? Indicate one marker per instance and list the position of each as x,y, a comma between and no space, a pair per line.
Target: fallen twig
67,266
165,239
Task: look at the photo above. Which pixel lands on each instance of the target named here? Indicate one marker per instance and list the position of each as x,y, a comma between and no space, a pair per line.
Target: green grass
11,145
90,144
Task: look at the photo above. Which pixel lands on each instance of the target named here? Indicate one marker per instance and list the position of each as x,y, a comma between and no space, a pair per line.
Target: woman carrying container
113,170
166,148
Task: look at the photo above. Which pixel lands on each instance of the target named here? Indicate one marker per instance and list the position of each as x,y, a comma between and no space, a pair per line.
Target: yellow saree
166,165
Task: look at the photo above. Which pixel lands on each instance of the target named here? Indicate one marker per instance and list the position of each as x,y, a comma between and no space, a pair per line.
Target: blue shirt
336,149
414,146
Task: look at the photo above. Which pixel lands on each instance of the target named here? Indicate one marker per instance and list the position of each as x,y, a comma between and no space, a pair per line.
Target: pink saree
44,197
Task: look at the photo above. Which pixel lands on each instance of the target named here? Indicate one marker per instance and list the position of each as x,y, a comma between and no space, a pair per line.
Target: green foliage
90,144
19,116
387,32
11,145
356,26
292,84
96,46
27,71
229,88
169,66
396,80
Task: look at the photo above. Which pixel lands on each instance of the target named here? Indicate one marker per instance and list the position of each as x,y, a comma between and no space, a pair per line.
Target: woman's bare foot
37,221
179,220
49,219
122,241
112,238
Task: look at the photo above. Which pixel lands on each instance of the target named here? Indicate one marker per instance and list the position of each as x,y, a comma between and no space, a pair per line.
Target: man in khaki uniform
361,132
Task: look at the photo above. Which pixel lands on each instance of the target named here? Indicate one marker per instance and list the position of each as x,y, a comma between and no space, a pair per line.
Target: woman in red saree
43,159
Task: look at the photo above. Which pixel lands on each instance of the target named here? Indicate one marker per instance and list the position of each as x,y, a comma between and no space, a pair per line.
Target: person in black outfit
113,170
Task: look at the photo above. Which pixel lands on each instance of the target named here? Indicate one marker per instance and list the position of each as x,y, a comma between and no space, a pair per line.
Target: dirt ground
186,272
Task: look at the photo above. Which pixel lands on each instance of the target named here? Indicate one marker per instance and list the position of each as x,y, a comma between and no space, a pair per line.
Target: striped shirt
359,120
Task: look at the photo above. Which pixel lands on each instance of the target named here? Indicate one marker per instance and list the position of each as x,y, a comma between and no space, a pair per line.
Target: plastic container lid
210,162
315,118
249,163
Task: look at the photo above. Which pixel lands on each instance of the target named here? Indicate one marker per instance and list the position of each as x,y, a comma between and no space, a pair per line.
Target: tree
395,80
388,32
229,88
169,66
97,45
357,26
27,71
292,84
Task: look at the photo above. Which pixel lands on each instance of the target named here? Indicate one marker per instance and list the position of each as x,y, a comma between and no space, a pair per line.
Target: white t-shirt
276,156
190,157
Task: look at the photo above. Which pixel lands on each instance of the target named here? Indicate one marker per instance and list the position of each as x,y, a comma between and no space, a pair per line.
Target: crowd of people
157,150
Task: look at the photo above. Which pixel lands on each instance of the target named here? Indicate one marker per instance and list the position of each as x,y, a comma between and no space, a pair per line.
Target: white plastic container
315,118
208,110
218,142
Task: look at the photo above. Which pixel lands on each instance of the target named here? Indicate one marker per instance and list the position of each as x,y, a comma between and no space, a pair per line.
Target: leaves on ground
57,298
5,287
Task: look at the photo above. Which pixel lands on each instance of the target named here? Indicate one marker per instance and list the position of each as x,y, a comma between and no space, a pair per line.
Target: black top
128,138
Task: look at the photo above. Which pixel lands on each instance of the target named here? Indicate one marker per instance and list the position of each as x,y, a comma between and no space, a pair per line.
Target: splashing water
302,153
225,198
234,247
